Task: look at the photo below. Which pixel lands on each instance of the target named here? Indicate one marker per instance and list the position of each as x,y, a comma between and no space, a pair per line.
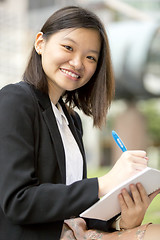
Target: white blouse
73,156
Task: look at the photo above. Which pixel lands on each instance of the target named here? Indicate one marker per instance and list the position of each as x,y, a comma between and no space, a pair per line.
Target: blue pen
119,141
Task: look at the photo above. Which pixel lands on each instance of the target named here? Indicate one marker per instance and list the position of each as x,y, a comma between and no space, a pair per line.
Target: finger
122,202
127,198
138,153
137,162
143,194
140,160
136,167
136,194
139,167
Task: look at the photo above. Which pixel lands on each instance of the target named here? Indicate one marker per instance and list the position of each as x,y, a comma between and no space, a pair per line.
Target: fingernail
139,184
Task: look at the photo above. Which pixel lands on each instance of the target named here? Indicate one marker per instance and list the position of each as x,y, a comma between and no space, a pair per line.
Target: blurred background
133,29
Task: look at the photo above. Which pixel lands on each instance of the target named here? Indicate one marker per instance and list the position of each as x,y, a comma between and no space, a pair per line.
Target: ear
39,43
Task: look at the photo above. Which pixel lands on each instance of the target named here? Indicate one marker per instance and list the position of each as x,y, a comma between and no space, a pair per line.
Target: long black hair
94,98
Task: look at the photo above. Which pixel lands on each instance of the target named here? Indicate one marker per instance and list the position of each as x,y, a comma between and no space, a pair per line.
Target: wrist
106,184
101,187
117,224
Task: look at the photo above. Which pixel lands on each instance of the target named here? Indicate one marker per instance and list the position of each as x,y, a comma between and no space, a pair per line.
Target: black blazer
34,199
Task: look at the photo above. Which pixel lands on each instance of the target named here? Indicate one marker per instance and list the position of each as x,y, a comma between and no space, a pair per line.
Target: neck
54,93
53,99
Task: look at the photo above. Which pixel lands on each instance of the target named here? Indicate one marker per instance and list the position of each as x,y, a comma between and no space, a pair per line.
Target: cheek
58,57
52,57
91,71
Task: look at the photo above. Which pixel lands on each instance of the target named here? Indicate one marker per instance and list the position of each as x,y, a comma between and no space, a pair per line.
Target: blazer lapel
74,131
51,123
50,120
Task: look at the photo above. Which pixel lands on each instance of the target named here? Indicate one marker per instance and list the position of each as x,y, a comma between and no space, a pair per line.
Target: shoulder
15,89
16,92
12,89
15,97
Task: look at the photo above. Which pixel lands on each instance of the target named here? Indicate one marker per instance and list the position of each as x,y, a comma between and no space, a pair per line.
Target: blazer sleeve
23,199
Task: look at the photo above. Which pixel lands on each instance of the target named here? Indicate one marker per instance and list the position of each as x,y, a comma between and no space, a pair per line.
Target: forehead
79,36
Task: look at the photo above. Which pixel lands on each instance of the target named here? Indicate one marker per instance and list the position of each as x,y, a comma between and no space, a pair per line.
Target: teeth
70,73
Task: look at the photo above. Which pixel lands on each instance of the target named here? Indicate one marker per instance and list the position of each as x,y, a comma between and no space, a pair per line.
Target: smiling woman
68,63
66,28
43,175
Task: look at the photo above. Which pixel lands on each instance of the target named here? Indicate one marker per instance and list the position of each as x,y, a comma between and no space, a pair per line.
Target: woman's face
69,58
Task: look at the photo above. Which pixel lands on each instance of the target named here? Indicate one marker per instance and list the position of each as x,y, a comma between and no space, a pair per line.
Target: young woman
43,184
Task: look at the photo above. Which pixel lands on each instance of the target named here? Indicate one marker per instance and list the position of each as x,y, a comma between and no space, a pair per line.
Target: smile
74,75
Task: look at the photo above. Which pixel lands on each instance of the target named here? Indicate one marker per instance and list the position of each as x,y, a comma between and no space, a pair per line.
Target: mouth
70,73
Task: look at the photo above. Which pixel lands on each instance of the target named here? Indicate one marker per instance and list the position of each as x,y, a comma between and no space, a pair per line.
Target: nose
76,62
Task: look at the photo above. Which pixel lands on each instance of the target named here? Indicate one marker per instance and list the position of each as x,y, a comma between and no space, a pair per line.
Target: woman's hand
134,208
130,163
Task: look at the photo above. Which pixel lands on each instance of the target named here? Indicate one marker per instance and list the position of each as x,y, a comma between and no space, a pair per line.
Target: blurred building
13,27
18,22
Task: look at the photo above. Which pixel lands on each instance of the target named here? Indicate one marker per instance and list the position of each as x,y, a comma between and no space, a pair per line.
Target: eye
92,58
68,47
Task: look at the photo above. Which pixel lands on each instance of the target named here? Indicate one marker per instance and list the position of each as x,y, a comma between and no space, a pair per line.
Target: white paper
108,206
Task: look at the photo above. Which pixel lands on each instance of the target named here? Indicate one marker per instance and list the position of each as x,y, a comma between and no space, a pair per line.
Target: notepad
108,206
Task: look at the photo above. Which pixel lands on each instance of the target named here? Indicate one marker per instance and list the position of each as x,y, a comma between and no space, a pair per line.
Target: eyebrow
71,40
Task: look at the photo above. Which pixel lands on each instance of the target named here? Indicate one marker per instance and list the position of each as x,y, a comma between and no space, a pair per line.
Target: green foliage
153,212
98,172
151,110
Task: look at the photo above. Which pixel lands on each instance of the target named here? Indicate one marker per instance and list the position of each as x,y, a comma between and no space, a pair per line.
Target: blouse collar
59,114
